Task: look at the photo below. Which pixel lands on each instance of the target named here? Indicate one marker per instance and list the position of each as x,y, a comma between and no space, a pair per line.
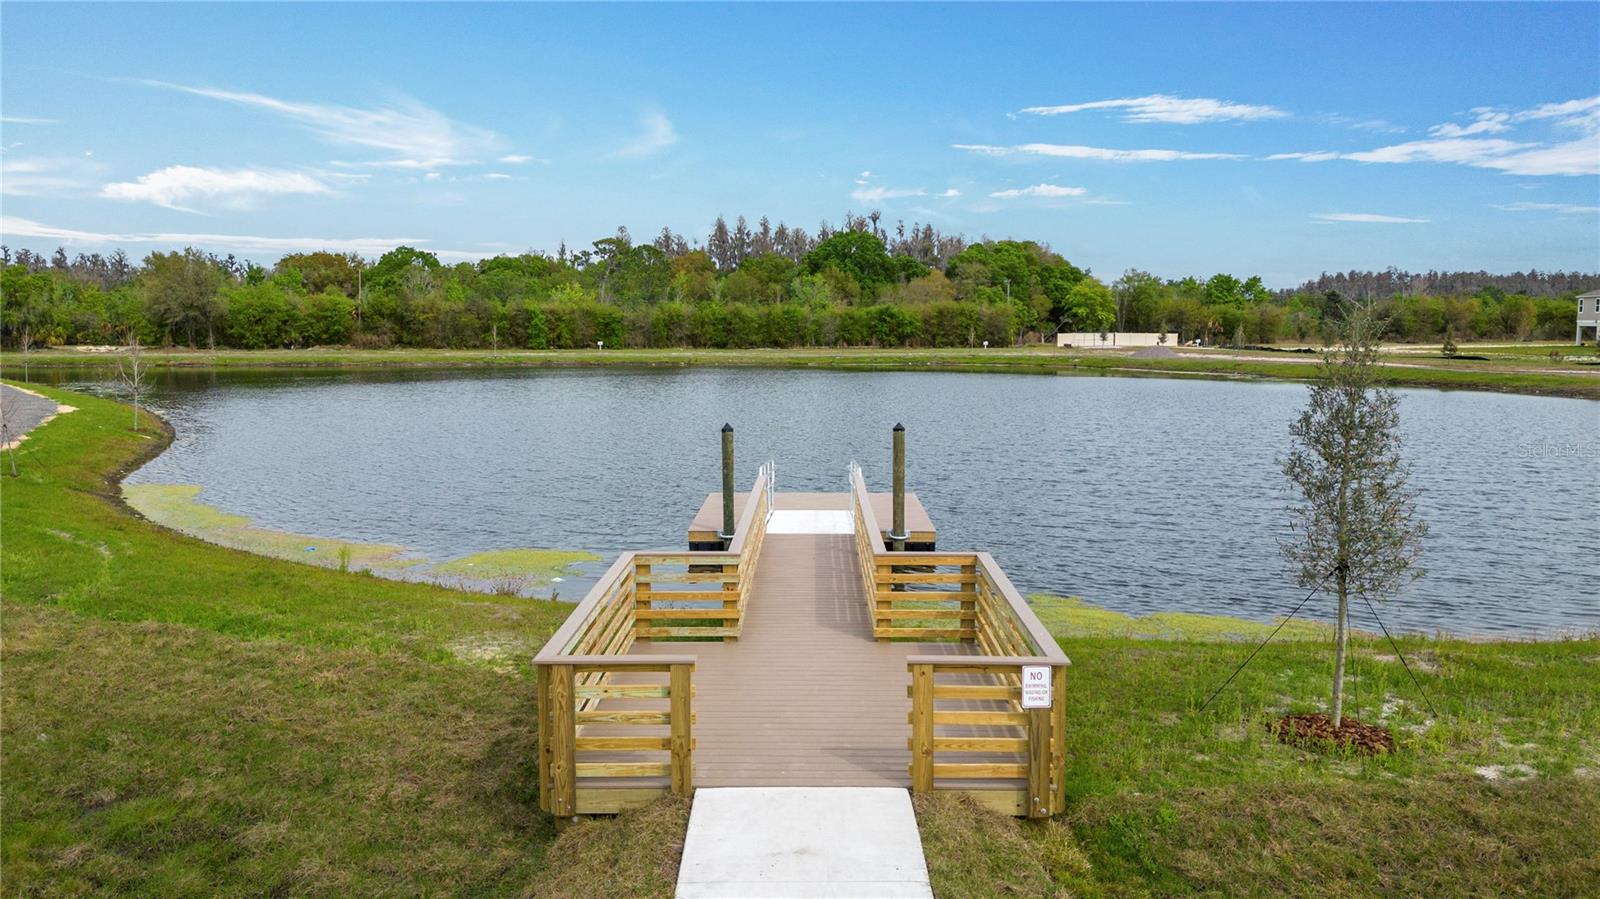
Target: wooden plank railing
614,729
969,730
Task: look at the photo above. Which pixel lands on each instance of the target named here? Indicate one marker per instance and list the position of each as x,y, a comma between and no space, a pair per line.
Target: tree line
864,283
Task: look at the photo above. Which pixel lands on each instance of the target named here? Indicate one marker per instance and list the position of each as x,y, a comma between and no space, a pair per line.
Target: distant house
1588,316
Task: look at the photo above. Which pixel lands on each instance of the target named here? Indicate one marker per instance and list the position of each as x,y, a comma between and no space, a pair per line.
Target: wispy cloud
416,136
177,185
1367,218
950,192
11,228
879,194
1464,144
657,135
26,120
1314,156
1075,151
516,158
42,176
1558,208
1052,191
1170,110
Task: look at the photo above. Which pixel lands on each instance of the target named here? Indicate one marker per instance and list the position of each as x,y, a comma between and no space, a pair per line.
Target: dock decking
798,657
805,696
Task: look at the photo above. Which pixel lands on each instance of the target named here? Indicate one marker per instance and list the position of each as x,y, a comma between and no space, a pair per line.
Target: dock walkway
805,697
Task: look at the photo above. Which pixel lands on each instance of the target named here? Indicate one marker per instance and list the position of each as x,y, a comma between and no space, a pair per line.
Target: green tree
261,316
1089,306
183,294
1354,527
327,318
857,254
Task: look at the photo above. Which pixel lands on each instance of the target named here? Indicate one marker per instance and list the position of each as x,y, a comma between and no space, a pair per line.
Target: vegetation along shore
182,718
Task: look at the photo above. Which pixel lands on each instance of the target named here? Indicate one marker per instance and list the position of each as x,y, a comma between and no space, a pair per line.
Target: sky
1271,139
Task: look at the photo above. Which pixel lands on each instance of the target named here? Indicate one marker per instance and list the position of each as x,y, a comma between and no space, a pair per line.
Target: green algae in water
177,506
538,565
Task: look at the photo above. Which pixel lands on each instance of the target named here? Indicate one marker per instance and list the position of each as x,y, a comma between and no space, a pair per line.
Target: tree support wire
1258,649
1402,656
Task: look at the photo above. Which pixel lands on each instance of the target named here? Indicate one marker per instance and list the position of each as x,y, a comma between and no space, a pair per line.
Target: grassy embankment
1524,368
181,718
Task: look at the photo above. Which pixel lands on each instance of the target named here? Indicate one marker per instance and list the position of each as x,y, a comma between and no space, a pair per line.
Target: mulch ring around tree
1316,731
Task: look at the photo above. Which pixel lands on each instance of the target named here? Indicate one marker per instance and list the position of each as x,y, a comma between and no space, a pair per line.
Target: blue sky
1183,139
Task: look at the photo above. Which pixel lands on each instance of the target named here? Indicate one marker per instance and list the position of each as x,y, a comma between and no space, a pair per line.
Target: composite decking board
805,697
919,525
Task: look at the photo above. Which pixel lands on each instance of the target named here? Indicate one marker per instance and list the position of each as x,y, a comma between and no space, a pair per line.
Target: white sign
1036,686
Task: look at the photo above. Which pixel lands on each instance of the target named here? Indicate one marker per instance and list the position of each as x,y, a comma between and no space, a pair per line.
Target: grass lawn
179,718
1527,369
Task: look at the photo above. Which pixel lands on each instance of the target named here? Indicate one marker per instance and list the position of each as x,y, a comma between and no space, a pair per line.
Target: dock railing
970,730
587,678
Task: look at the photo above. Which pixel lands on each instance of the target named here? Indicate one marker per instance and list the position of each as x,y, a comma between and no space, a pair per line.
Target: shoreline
1401,367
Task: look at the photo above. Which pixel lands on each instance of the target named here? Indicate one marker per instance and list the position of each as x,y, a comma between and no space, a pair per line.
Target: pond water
1138,494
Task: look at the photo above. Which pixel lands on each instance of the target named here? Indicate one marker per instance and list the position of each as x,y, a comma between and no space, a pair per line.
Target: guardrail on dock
586,677
970,728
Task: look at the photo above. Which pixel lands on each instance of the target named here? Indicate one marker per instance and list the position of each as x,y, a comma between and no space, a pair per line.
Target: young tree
1355,531
134,373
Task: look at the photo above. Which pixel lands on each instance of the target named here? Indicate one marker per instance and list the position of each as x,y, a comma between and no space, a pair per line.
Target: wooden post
1039,785
563,737
899,525
730,598
1058,740
969,584
641,602
682,739
921,728
546,747
727,486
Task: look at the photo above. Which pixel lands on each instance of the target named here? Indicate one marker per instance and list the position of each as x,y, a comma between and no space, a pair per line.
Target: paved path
755,843
21,411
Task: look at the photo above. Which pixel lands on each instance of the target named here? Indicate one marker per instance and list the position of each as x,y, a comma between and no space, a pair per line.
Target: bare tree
1355,531
133,371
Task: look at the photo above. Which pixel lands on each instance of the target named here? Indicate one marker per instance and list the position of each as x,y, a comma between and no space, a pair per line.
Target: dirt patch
1154,352
1316,730
1425,662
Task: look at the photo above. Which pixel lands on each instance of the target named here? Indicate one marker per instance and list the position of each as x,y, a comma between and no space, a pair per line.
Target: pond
1138,494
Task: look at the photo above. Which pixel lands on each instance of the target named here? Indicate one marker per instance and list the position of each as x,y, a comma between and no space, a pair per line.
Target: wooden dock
920,532
799,659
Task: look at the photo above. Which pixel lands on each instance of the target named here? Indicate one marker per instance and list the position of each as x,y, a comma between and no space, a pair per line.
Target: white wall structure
1110,340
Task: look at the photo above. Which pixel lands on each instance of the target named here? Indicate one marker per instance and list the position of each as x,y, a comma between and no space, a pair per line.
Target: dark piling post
898,534
727,486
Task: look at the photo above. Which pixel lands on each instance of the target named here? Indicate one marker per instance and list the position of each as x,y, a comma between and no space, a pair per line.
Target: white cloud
1170,110
879,194
1370,218
658,134
1052,191
25,120
516,158
1559,208
177,185
497,176
1489,121
41,176
432,176
950,192
1075,151
416,136
1314,156
11,228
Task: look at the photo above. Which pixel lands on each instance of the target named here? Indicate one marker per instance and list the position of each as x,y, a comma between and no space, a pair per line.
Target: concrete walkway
23,410
764,842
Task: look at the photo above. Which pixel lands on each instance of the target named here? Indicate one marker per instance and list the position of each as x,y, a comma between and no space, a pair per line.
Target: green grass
179,718
1520,372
